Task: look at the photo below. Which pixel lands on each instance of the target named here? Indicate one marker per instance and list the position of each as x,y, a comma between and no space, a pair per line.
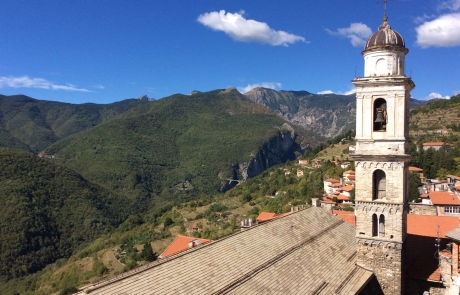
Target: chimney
314,202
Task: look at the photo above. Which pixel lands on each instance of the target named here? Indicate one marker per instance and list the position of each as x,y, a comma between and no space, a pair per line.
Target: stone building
382,158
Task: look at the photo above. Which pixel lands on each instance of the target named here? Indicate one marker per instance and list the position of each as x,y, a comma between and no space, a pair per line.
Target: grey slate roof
454,234
308,252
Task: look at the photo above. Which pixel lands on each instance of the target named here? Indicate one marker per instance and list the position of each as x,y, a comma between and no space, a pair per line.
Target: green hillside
47,212
33,125
174,148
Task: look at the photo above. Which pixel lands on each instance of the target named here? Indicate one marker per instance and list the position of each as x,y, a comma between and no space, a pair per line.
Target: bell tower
382,158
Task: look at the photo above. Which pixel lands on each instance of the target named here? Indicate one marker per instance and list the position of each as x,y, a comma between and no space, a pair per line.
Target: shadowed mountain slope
47,212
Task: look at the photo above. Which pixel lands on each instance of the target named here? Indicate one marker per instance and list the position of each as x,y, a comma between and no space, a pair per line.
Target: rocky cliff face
276,150
327,115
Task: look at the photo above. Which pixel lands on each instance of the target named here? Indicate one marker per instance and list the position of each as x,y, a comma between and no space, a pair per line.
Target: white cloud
99,86
435,95
246,30
27,82
441,32
270,85
352,91
423,18
452,5
326,92
358,33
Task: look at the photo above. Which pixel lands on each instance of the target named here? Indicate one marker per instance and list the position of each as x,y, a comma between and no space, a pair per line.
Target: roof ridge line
104,282
274,260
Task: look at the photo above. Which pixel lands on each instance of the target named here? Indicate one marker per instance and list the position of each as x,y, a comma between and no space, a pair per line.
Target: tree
352,195
441,174
414,181
168,222
147,253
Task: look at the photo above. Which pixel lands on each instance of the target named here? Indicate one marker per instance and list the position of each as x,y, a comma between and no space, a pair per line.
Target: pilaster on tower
382,157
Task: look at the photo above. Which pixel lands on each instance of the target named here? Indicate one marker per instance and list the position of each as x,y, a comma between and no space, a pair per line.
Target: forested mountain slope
47,211
33,125
180,146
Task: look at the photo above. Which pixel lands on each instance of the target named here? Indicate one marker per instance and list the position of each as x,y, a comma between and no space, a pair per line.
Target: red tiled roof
415,169
180,244
352,177
443,198
423,196
422,232
332,180
343,198
347,188
349,172
437,143
346,216
335,185
457,188
264,216
425,225
326,201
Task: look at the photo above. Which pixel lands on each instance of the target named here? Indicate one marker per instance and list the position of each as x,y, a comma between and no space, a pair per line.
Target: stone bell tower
382,158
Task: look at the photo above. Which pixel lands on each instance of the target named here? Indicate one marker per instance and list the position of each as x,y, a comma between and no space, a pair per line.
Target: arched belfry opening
379,184
380,115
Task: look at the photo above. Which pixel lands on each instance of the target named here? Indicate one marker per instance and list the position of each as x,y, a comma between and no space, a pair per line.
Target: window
375,226
381,225
452,209
380,114
379,184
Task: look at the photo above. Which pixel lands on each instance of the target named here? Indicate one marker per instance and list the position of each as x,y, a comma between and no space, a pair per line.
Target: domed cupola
385,37
384,52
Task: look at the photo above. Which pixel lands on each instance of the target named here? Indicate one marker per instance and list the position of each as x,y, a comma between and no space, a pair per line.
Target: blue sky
103,51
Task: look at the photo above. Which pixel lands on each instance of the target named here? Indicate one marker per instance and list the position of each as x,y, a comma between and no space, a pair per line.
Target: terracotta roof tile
343,198
332,180
415,169
347,188
351,177
443,198
264,216
422,232
425,225
335,185
346,216
180,244
349,172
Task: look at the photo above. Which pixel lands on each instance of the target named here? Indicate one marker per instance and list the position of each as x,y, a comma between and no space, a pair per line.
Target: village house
446,203
419,171
327,185
436,145
436,185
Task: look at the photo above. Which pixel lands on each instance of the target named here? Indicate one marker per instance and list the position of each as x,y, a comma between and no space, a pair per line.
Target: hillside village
216,193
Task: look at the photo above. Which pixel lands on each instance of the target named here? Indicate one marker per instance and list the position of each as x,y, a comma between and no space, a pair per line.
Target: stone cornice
380,158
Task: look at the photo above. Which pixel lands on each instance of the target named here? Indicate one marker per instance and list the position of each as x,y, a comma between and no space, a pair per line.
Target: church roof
301,253
385,37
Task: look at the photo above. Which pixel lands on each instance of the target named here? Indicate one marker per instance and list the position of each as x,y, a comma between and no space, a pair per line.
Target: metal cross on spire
384,2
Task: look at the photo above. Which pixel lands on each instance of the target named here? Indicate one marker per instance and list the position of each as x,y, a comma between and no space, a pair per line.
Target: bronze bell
379,118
